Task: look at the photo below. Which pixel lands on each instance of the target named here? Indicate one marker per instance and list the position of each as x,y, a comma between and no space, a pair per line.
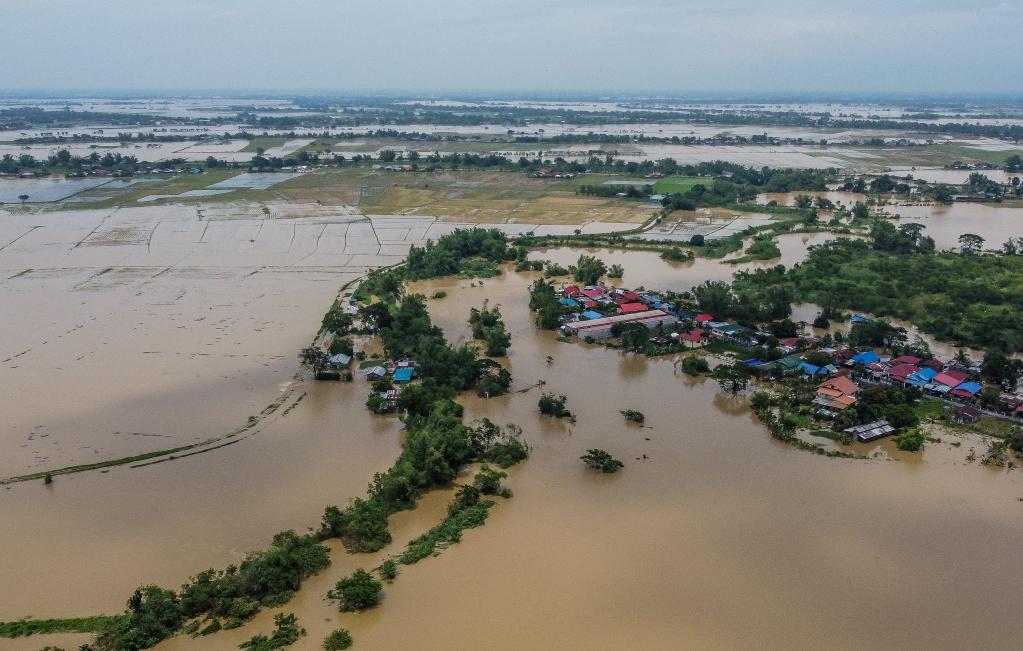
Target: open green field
483,197
680,184
107,197
266,142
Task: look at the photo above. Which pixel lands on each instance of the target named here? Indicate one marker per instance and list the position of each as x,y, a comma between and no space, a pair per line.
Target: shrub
602,461
633,416
911,440
552,405
389,570
694,365
356,592
338,640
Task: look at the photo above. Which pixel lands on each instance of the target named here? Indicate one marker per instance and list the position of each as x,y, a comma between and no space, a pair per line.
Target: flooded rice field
43,190
709,538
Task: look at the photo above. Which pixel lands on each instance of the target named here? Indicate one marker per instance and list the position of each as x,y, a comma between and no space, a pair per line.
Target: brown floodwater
945,224
713,536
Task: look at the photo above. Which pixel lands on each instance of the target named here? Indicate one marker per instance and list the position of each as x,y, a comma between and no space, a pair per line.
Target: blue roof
590,314
921,377
403,374
867,357
859,318
970,387
569,302
810,369
751,362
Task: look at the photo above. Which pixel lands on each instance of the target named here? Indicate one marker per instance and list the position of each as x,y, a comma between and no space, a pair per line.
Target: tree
601,460
633,416
615,271
544,301
732,378
694,365
715,297
970,244
315,358
588,270
998,368
911,440
860,212
356,592
553,405
338,640
23,198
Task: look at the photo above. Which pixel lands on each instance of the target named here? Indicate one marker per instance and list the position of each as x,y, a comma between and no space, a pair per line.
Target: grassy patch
446,533
681,184
26,627
266,142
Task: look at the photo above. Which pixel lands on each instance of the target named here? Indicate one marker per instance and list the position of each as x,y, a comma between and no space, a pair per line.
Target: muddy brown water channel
714,535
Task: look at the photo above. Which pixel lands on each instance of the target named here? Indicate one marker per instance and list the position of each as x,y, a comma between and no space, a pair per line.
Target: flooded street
714,535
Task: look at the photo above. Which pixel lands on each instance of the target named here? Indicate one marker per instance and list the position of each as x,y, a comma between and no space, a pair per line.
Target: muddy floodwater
714,536
945,224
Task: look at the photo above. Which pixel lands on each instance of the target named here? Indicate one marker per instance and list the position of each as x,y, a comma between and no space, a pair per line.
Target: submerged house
376,373
601,328
871,431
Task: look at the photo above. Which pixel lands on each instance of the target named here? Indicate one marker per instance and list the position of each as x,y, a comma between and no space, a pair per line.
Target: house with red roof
943,383
632,308
703,318
900,372
571,291
835,395
694,336
905,359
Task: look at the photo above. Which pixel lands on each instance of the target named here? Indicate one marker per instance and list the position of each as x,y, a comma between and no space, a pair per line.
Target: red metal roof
950,378
700,318
902,371
632,308
695,335
592,293
906,359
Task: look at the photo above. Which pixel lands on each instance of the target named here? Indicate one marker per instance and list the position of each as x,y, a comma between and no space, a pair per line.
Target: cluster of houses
592,313
548,173
401,372
596,309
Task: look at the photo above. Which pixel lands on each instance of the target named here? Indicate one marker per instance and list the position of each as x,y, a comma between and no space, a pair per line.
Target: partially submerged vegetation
601,460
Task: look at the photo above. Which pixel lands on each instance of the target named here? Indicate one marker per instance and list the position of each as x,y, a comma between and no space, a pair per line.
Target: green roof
792,361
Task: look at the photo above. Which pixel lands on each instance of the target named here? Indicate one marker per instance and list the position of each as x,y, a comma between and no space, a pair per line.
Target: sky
550,46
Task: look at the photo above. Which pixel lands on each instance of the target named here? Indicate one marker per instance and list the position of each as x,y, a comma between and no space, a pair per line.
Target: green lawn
679,184
266,142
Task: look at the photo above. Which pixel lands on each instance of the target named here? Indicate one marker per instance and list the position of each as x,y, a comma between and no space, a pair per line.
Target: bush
286,632
911,440
602,461
760,400
488,481
338,640
552,405
694,365
633,416
389,570
356,592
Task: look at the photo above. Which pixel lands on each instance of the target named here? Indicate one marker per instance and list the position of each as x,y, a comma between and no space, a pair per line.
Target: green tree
970,243
356,592
338,640
601,460
588,270
315,358
732,378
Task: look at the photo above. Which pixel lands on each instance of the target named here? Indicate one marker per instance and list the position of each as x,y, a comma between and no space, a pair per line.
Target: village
837,373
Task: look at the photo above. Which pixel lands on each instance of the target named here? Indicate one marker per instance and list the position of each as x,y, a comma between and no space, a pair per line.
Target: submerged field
708,537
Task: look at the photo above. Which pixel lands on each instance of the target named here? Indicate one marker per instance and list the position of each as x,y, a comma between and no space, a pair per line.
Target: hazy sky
550,45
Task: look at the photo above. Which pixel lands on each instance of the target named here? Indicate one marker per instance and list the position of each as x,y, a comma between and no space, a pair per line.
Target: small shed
376,373
968,415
